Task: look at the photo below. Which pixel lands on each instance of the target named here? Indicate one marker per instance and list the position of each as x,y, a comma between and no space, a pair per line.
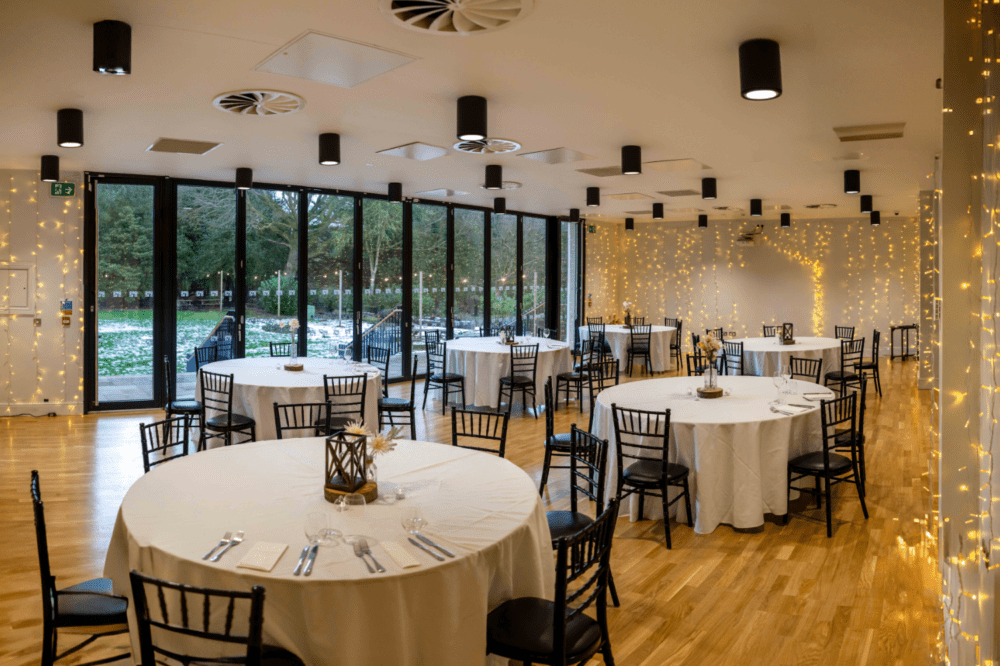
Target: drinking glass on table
786,374
351,506
778,381
318,530
412,519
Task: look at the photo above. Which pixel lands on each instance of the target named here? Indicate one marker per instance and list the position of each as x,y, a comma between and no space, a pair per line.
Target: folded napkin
792,410
263,556
817,397
396,552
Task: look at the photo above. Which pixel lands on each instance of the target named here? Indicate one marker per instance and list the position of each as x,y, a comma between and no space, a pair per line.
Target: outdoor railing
386,333
222,336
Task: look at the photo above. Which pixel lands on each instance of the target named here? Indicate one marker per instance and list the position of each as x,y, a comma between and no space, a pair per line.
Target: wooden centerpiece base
369,491
788,342
709,393
294,367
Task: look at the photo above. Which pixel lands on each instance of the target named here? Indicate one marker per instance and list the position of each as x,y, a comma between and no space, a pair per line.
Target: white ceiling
588,75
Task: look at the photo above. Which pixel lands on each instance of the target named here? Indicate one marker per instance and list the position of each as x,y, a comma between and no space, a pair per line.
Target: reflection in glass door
533,275
330,222
430,279
468,272
382,281
503,271
125,287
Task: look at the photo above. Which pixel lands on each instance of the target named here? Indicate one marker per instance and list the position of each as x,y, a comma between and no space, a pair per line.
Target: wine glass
412,519
786,374
778,381
352,506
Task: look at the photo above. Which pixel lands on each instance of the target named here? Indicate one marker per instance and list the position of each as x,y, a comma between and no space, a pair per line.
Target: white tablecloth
483,508
736,448
258,383
483,361
760,355
619,339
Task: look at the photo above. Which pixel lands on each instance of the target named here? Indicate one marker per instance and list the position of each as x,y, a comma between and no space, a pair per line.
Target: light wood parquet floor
779,595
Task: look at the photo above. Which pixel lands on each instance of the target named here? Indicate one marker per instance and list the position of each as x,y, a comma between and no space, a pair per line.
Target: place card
263,556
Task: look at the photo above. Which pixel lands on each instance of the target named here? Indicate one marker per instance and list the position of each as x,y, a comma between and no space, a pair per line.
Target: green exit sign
592,229
63,189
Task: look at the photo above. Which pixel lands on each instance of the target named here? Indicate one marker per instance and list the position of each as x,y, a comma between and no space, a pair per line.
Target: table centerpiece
710,347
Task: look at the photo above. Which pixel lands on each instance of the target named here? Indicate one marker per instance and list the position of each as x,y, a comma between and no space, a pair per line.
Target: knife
312,558
426,549
806,406
302,560
431,543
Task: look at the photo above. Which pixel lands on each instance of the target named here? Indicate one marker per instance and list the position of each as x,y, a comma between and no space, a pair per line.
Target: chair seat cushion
276,656
523,628
813,462
841,375
98,609
560,441
575,376
870,365
395,404
566,523
518,380
446,378
238,421
638,350
649,471
185,406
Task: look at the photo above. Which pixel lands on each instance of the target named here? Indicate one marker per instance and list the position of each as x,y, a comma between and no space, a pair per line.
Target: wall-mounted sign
591,229
62,189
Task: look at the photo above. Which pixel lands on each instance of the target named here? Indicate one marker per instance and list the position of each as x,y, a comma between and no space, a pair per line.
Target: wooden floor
778,595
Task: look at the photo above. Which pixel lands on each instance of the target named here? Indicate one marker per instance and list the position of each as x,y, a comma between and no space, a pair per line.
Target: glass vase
711,376
372,470
293,352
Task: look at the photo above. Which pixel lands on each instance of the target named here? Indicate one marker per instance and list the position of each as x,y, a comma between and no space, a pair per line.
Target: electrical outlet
38,322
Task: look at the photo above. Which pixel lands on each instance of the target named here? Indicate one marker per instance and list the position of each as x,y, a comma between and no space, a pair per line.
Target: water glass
412,519
351,506
778,381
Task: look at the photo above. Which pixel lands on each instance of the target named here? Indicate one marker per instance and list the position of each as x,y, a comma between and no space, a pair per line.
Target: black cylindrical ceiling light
631,160
574,214
629,223
657,211
494,177
112,47
395,192
471,118
244,178
786,220
876,218
500,205
50,169
760,69
852,181
866,203
756,208
329,149
703,221
69,128
708,188
593,196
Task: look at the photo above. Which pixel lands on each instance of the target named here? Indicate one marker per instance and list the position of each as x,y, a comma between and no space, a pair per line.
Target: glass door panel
331,250
206,273
272,268
430,279
503,271
125,288
469,253
568,282
382,272
533,275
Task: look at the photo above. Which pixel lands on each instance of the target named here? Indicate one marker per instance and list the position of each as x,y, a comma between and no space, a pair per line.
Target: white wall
41,368
817,274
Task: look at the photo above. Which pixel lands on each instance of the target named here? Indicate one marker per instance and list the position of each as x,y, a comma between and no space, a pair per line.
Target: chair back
595,331
876,337
839,412
550,417
697,364
851,353
413,379
166,381
640,336
600,375
733,357
437,359
595,320
671,321
717,333
524,361
200,613
204,356
679,325
583,565
843,332
861,407
695,339
770,331
311,417
638,320
808,368
588,459
164,440
379,357
216,395
346,396
431,338
281,348
589,353
642,436
484,425
48,580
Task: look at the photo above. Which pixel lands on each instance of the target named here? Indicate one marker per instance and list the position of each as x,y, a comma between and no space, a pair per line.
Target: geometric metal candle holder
347,468
787,336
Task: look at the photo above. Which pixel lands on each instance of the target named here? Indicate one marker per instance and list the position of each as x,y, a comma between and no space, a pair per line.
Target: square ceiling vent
441,193
327,59
685,164
558,156
870,132
628,196
680,193
183,146
416,151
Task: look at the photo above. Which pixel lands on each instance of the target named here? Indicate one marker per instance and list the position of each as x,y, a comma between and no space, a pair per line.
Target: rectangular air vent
327,59
602,172
416,151
680,193
870,132
628,196
441,193
183,146
558,156
684,164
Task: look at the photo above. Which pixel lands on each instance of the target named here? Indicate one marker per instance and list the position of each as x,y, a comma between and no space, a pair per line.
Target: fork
223,542
237,539
361,554
368,551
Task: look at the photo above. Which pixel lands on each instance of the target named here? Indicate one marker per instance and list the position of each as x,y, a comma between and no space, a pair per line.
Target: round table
483,508
736,448
762,355
483,361
258,383
619,338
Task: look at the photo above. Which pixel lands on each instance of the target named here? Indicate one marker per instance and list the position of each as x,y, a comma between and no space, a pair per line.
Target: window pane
569,278
503,270
272,267
382,271
430,238
206,265
331,252
533,295
468,272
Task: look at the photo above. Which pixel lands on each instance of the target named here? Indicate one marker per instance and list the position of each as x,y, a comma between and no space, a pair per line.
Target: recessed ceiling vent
456,17
680,193
557,156
870,132
183,146
628,196
487,146
259,103
416,151
821,206
505,185
443,192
